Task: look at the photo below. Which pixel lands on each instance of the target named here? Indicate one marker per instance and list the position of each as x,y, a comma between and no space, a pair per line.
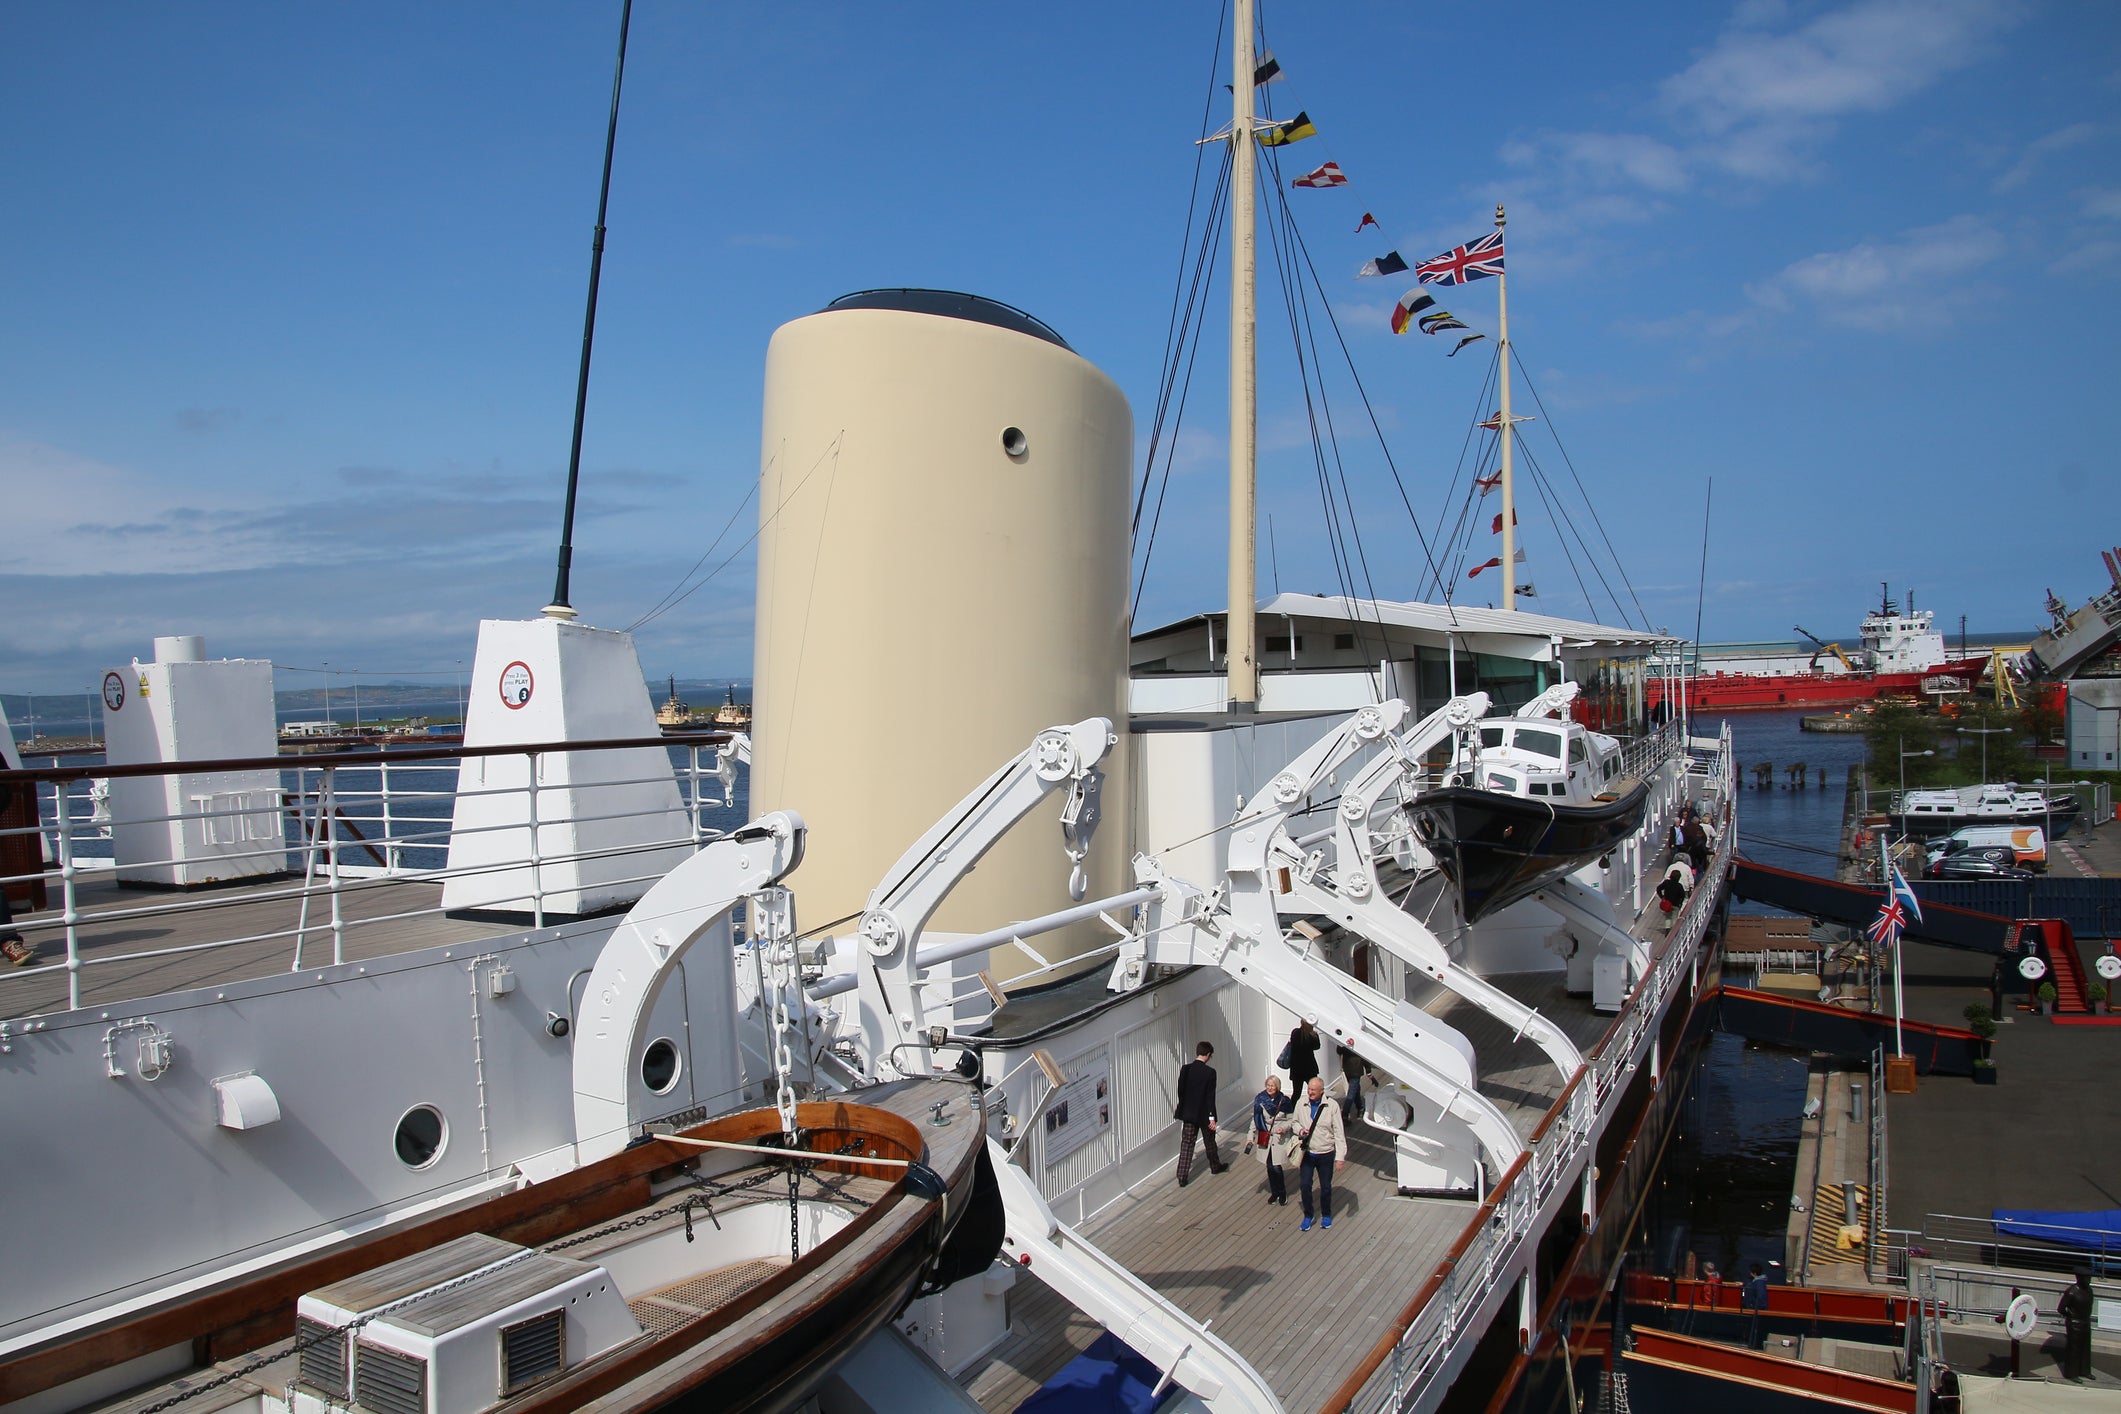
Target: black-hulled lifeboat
1539,799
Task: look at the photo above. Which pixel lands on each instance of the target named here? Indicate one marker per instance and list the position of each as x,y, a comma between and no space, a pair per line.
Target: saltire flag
1495,527
1329,175
1476,260
1488,483
1468,339
1411,303
1908,902
1384,265
1295,130
1268,70
1439,321
1367,221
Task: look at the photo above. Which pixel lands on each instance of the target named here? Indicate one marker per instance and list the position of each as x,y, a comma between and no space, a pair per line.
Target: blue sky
294,293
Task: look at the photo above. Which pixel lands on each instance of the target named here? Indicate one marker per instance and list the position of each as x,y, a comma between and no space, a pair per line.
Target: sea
1723,1190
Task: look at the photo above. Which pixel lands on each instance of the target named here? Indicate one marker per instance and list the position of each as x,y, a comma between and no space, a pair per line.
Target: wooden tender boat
698,1266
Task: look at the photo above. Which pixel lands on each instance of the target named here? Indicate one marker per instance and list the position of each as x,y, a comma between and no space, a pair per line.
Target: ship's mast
1242,651
1504,422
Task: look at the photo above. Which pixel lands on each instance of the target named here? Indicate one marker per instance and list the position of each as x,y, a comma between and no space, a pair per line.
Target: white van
2027,842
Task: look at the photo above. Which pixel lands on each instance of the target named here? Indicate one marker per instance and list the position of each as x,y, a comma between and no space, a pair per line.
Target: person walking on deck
1752,1299
1271,1131
2075,1308
1302,1054
1322,1137
1694,842
1195,1113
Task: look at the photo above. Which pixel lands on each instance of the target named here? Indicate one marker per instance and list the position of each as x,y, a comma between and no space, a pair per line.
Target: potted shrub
1984,1071
1984,1028
2096,995
2046,994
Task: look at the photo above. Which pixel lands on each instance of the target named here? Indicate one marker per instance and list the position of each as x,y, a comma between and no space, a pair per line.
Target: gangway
1853,1035
1856,905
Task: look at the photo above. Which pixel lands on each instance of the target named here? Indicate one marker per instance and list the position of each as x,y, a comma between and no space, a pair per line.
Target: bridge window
1538,743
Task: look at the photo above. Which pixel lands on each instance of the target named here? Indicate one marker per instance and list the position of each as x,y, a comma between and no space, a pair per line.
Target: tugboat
1925,813
1536,797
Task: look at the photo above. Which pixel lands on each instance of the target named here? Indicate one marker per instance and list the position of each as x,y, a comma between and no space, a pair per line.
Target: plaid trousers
1187,1135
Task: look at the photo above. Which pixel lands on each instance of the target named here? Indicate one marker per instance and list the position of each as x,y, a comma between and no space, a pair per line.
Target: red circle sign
113,691
516,686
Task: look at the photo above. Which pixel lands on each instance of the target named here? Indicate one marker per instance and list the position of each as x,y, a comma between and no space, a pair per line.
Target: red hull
1743,692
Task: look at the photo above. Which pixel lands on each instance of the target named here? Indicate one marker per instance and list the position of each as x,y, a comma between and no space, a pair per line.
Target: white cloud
1629,157
2042,148
1884,285
2092,255
2102,202
1865,57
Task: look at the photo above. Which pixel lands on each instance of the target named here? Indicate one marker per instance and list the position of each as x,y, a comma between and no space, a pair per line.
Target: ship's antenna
560,608
1701,584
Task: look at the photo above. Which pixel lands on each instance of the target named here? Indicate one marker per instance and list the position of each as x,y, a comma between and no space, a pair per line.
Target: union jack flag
1885,928
1475,260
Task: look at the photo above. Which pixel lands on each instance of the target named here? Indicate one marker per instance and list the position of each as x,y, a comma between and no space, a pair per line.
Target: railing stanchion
328,821
71,913
537,874
390,835
692,793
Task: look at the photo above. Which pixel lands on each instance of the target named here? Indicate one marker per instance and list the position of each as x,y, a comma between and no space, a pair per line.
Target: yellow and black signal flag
1282,134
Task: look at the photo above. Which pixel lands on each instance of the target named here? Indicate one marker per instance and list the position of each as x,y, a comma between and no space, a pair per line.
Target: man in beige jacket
1323,1139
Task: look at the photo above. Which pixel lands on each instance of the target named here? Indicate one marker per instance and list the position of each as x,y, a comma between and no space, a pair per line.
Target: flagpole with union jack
1508,432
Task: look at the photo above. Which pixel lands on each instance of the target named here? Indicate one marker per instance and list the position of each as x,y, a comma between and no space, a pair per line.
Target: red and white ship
1900,655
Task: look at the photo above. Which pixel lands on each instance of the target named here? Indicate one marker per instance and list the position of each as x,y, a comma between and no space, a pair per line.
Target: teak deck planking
234,911
1302,1307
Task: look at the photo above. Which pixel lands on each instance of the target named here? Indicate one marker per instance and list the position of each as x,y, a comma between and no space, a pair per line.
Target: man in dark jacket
2076,1308
1195,1113
1303,1056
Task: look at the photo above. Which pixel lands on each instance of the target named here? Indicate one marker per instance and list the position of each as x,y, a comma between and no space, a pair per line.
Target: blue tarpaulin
2098,1230
1108,1378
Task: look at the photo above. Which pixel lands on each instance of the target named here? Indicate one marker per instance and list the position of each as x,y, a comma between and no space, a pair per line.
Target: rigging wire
1555,514
1172,331
831,451
1555,433
1211,244
1444,590
664,602
1376,427
1565,525
1337,528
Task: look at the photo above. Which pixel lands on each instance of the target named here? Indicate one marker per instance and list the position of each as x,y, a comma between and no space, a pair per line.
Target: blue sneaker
1326,1223
1306,1227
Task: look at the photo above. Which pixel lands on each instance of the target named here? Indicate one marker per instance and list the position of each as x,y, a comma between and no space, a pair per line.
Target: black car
1990,862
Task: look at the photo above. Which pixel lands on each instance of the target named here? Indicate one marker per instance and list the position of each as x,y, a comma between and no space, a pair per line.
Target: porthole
659,1066
421,1137
1014,443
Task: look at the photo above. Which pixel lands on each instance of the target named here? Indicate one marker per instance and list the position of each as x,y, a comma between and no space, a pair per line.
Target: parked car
2027,842
1981,862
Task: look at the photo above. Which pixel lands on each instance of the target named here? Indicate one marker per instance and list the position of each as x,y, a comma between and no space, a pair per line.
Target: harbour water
1723,1190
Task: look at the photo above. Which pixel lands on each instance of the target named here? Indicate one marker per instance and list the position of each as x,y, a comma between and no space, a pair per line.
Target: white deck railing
1444,1314
338,826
